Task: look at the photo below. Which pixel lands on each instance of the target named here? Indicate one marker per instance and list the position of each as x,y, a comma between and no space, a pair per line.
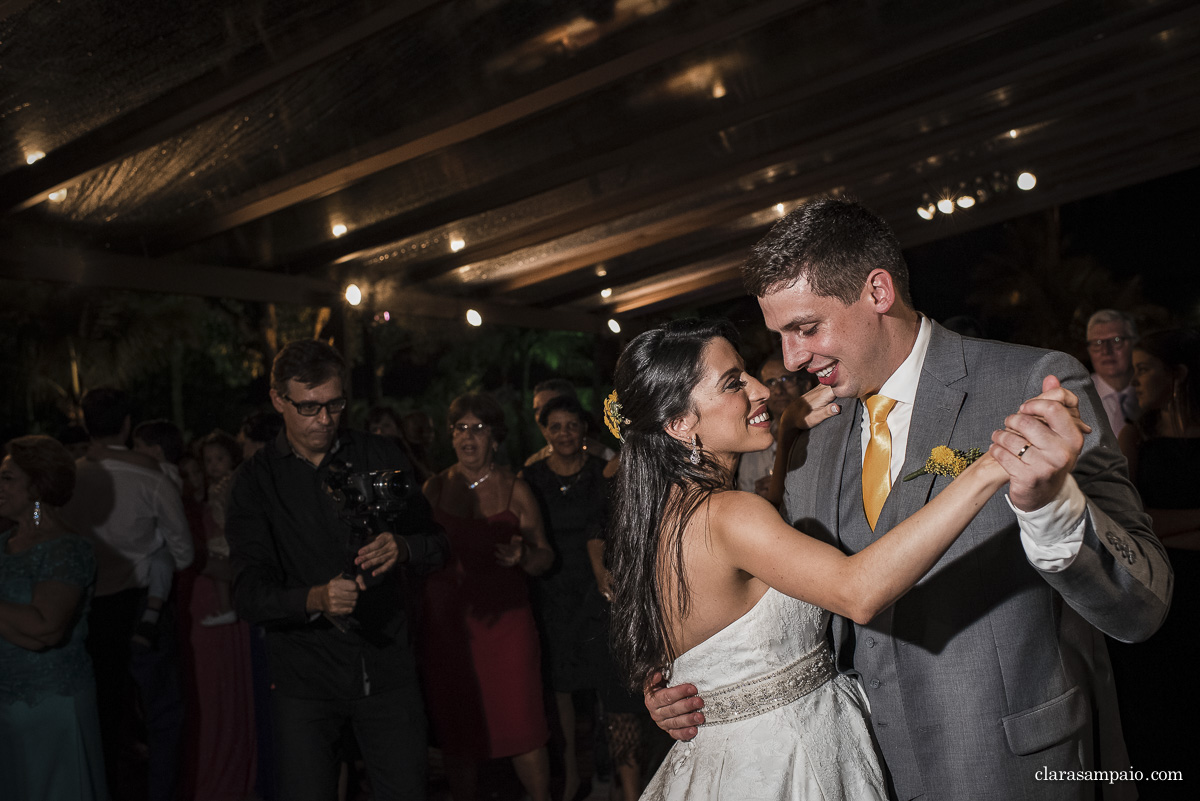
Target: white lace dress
781,724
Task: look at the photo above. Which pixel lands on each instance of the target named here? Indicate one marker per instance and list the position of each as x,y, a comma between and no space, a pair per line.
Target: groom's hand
674,708
1040,444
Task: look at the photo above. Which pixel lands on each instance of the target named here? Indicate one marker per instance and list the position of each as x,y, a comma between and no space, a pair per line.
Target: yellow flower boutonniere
945,461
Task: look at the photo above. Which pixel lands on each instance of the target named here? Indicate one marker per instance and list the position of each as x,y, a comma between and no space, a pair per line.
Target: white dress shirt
1051,535
1120,405
129,512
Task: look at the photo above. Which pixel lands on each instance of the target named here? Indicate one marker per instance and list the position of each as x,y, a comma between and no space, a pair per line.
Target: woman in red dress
479,647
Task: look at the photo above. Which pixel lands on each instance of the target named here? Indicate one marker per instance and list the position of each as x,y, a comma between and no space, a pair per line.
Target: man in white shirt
1110,337
130,511
990,678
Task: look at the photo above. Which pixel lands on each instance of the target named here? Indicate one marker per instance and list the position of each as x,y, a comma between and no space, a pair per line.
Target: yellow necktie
877,461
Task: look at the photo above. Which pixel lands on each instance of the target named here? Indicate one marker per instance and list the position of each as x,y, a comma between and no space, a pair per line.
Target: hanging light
338,229
353,295
925,212
35,156
779,209
457,244
614,326
58,196
1026,181
474,317
606,292
965,202
946,206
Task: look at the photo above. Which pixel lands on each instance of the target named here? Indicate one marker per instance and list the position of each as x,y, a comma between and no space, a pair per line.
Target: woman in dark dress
572,493
479,646
1163,449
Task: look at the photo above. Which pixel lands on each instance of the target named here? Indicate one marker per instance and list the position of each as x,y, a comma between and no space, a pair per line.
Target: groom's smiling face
844,346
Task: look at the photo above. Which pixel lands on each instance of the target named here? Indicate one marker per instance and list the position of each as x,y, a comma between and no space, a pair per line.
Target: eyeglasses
1101,345
468,428
312,408
784,381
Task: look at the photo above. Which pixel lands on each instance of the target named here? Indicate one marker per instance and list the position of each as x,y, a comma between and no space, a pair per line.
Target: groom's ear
681,428
881,290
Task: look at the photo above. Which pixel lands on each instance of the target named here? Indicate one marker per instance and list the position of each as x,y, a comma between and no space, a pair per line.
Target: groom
990,678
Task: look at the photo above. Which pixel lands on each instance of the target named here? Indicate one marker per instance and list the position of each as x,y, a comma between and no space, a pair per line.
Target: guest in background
572,494
50,746
1163,449
222,455
128,512
480,653
1110,337
384,421
553,388
76,440
754,470
257,430
416,429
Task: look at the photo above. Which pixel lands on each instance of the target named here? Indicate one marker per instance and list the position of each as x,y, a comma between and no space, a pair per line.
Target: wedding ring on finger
1021,452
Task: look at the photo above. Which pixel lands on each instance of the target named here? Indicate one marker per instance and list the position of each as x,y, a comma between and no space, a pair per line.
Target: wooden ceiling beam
186,106
89,268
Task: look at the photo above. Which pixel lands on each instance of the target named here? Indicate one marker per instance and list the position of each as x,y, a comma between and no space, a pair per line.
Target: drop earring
37,513
695,457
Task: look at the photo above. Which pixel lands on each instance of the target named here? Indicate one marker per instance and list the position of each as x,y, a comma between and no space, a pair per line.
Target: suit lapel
935,413
827,459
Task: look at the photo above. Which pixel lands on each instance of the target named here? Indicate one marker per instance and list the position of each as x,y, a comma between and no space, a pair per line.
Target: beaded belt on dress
770,691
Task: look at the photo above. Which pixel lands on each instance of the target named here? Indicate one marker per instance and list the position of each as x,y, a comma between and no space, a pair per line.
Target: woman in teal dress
49,731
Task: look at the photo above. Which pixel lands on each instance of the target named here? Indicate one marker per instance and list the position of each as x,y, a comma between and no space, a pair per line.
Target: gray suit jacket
989,669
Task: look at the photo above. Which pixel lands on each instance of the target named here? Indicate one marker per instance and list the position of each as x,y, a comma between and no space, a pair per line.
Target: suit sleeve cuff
1053,534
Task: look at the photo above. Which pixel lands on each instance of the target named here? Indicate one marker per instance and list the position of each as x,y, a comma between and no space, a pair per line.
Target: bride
714,588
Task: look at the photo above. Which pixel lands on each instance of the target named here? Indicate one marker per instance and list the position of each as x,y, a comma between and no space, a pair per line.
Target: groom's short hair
833,244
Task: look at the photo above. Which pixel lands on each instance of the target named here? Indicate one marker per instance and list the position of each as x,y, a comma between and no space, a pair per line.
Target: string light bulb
474,318
353,295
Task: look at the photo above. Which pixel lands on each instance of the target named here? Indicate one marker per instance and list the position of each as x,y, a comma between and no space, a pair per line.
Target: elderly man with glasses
1110,337
332,606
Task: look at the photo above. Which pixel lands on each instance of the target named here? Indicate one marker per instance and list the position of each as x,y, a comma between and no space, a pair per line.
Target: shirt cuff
1053,535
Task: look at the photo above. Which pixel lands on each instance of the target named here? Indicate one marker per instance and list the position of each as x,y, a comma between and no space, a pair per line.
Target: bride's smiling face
730,405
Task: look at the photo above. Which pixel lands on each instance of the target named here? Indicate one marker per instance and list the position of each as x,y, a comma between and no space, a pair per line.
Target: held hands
381,554
510,555
1040,444
337,598
674,708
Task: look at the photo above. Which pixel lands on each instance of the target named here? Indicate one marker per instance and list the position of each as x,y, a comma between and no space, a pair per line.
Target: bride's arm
748,534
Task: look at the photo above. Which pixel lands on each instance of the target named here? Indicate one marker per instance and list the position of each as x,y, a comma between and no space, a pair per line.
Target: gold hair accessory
612,416
945,461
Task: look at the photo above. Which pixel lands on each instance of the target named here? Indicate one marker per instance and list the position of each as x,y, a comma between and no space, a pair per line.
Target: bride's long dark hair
657,489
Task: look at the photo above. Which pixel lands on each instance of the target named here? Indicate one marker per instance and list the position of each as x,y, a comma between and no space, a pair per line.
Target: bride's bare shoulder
732,510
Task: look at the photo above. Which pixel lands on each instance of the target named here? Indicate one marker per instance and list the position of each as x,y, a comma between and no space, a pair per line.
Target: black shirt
286,537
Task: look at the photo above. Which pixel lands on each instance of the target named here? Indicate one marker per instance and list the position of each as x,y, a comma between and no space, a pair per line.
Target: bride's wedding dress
780,722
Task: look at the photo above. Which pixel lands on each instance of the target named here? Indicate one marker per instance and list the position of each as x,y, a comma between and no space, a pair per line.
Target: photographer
327,592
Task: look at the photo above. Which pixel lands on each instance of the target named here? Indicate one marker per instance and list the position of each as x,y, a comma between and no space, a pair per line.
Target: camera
371,501
368,503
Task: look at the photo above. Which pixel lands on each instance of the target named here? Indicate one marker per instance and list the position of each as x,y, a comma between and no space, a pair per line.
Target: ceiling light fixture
474,317
1026,181
614,326
353,295
338,229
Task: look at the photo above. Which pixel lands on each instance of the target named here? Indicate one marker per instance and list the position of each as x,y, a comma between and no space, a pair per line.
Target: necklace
480,480
564,487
